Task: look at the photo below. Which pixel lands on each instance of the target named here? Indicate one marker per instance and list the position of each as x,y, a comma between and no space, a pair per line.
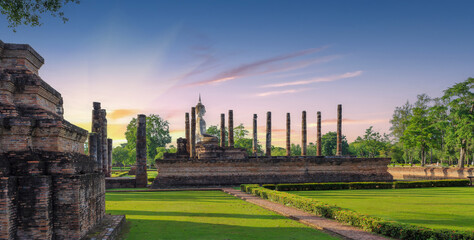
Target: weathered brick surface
48,188
120,182
211,172
59,195
8,207
80,202
34,207
430,173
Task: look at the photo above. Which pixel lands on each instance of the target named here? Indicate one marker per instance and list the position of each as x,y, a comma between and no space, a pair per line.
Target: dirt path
330,226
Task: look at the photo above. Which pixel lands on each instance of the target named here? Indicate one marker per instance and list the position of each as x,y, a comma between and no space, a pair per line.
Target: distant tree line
441,127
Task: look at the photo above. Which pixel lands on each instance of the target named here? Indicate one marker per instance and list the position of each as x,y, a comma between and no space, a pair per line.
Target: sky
156,57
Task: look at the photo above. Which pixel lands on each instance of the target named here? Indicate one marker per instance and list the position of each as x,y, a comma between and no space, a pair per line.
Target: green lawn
150,173
447,207
202,215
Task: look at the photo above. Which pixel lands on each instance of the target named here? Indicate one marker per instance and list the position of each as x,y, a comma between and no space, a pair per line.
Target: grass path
448,207
202,215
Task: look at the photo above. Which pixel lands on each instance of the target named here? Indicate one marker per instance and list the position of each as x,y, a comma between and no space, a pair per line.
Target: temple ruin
209,162
49,189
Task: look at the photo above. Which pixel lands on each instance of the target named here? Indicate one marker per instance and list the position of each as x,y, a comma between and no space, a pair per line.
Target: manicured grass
442,208
202,215
150,173
127,189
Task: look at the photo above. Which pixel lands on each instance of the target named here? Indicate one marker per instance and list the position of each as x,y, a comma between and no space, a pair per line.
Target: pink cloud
265,66
273,93
315,80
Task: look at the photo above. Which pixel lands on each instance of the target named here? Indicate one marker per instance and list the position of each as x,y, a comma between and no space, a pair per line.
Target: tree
399,120
372,144
278,151
162,150
295,150
215,131
329,144
420,131
28,12
240,137
157,134
121,155
460,131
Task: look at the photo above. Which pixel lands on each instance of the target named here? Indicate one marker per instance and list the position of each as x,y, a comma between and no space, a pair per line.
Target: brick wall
49,195
212,172
430,173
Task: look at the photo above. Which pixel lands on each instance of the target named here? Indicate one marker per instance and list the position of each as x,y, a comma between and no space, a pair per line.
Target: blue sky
253,57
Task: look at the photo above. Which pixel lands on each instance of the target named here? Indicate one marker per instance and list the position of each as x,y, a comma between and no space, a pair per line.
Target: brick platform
188,172
120,182
108,229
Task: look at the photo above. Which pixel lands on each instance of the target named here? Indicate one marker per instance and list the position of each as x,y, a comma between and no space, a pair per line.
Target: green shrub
247,187
368,223
311,186
434,183
151,179
269,186
370,185
367,185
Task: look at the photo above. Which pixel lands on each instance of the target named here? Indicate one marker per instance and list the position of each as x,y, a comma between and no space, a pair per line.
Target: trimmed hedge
311,186
269,186
367,185
367,223
433,183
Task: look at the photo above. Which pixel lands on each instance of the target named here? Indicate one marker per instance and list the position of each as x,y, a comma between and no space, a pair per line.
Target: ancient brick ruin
49,189
210,163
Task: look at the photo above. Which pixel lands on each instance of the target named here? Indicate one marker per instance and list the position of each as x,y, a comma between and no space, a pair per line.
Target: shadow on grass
167,196
439,220
193,214
166,229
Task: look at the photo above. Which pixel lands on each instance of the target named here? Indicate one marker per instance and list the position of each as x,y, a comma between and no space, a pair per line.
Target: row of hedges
367,223
432,183
118,174
366,185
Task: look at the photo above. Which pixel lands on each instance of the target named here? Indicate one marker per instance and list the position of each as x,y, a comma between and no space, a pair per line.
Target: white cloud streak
315,80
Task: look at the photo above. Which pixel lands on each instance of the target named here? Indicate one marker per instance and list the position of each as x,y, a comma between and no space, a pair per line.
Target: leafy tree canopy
28,12
157,135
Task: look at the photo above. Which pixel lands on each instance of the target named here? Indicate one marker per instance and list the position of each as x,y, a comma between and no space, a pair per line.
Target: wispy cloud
351,121
121,113
273,93
265,66
315,80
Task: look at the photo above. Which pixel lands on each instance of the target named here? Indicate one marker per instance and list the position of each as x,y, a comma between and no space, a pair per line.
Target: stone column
186,126
109,151
222,130
141,174
231,128
255,141
318,136
288,135
193,133
93,149
303,133
97,128
339,130
103,142
268,146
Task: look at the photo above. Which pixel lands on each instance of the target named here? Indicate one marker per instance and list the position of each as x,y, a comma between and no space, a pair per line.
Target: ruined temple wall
48,188
49,195
430,173
266,170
